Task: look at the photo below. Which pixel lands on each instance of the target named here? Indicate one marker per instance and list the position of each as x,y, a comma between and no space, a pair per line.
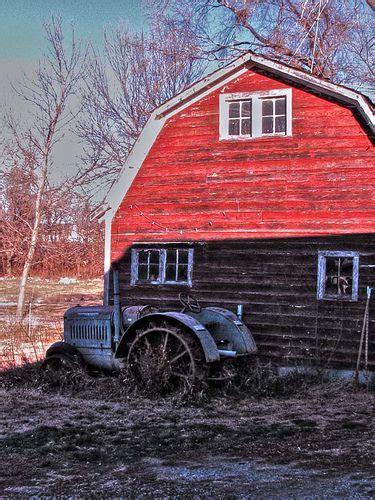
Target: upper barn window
338,275
162,266
249,115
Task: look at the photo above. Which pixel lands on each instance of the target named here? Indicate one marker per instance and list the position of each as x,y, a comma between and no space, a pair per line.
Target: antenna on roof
321,4
320,12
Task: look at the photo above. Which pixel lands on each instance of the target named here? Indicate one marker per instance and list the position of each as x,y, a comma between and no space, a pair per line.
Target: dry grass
42,290
46,301
99,439
25,342
48,297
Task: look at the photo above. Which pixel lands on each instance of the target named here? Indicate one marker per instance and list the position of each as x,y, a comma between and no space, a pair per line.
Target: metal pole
365,322
116,305
239,311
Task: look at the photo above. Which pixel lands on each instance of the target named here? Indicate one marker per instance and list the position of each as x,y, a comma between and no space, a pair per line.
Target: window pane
154,272
280,124
234,109
246,108
170,272
280,106
246,127
142,272
143,256
339,276
183,256
267,125
346,276
267,107
154,257
234,127
183,273
171,256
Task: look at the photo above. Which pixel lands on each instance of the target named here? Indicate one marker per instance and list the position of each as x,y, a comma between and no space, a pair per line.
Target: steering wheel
189,303
148,309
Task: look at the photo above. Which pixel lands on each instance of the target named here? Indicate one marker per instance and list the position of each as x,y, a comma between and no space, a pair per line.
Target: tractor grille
87,332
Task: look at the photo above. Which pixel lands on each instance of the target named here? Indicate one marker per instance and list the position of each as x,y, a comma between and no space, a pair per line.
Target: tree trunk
33,242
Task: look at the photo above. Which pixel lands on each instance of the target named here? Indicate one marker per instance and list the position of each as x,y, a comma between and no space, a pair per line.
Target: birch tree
48,94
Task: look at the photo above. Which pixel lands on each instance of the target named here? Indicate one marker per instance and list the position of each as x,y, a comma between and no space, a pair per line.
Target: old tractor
173,346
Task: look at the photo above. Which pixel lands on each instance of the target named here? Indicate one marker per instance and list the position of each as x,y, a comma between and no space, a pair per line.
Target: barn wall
194,186
276,281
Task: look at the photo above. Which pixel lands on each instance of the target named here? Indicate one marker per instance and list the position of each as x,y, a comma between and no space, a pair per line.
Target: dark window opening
338,275
274,115
177,263
148,265
239,123
158,266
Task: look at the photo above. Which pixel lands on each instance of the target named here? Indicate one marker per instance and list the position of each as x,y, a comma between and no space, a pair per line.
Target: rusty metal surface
197,329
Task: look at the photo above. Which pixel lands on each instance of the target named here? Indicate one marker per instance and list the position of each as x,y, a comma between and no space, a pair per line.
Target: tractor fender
228,326
203,336
65,349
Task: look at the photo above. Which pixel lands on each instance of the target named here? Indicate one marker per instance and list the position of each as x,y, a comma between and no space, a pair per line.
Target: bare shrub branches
137,73
330,38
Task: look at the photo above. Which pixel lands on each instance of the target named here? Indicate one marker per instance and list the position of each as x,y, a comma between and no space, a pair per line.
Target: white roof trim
201,89
144,143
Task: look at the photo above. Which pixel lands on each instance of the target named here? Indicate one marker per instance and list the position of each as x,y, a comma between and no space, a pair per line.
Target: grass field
46,301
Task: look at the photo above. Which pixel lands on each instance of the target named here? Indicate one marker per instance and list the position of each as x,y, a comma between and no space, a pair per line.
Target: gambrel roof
204,87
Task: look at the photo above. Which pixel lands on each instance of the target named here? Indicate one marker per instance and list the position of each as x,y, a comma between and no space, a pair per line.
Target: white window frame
162,266
256,113
322,272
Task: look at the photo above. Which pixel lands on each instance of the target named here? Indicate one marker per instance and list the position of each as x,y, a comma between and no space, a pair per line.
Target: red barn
256,187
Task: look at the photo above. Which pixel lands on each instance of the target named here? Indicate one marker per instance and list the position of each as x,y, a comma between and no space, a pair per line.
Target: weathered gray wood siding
276,281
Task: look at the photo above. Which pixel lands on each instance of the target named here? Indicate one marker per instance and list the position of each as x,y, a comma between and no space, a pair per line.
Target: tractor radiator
84,328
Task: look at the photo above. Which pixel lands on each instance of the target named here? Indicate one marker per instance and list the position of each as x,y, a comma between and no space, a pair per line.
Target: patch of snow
67,281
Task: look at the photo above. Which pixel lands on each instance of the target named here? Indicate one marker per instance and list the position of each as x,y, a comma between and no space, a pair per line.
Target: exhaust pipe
227,354
239,311
116,305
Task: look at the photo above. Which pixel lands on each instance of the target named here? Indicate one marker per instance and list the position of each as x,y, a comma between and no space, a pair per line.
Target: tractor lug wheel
163,358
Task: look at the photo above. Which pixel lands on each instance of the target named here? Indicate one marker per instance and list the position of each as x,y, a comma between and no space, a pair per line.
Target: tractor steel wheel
163,357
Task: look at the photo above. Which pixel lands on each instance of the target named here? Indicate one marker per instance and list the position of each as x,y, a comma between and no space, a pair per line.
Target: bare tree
329,38
137,73
17,193
68,241
47,94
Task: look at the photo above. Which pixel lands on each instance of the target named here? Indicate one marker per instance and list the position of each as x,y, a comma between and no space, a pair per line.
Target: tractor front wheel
61,368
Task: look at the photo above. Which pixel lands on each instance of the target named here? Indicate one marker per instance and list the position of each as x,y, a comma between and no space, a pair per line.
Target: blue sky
22,44
21,33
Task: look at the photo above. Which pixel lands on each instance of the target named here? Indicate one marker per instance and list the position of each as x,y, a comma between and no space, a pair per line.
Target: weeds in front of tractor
256,381
260,379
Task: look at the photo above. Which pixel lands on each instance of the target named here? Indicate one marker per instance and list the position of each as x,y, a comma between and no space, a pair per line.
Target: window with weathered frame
171,266
250,115
148,266
239,114
274,115
338,274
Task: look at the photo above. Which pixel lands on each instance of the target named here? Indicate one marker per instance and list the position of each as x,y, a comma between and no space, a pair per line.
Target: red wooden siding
320,181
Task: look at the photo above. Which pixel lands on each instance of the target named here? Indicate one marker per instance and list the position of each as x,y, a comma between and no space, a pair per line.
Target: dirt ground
100,443
99,438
